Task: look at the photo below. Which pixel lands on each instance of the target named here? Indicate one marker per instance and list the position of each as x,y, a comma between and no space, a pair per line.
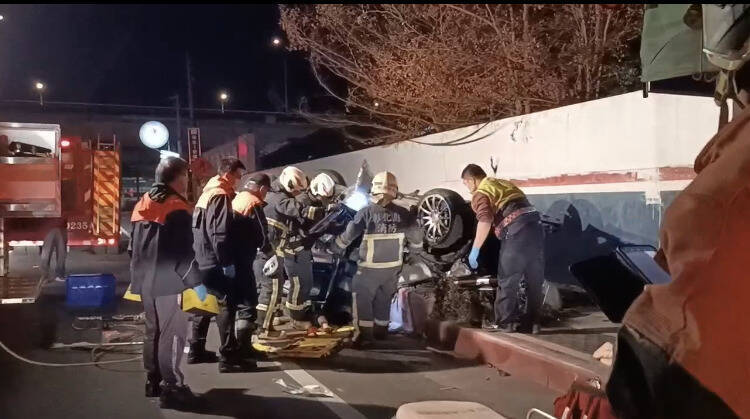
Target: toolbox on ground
90,290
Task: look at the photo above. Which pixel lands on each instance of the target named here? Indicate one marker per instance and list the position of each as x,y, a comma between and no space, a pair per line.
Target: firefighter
682,351
212,221
162,266
247,235
286,217
500,205
323,190
385,228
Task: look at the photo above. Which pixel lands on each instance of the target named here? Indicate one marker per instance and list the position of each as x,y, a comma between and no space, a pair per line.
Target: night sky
135,54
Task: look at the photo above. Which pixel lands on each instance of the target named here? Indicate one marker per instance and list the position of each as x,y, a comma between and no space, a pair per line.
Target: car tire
336,176
439,207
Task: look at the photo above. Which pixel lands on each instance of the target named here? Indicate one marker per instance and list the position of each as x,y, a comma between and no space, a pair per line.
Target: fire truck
50,181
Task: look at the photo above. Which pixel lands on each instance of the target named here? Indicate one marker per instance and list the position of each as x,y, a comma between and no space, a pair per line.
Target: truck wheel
444,217
336,176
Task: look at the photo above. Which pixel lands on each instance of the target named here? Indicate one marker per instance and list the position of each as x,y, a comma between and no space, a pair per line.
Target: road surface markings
336,404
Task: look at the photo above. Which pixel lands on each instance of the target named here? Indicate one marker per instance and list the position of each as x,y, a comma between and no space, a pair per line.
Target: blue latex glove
473,256
228,271
201,291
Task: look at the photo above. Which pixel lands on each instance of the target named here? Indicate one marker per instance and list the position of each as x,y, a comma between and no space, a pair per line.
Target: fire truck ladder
106,191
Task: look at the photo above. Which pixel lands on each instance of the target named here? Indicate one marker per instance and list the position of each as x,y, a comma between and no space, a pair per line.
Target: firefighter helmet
322,185
384,183
293,179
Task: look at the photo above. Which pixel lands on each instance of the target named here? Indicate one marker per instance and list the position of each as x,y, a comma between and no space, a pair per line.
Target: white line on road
335,403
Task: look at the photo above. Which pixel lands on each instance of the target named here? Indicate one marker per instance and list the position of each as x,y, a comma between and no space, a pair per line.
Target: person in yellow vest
500,206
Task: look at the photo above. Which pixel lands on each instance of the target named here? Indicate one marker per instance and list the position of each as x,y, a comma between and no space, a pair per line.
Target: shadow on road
234,403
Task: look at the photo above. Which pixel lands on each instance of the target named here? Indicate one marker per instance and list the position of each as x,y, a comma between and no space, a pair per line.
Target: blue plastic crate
90,290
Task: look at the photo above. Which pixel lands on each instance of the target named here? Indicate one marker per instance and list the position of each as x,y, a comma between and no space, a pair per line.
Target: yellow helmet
384,183
293,179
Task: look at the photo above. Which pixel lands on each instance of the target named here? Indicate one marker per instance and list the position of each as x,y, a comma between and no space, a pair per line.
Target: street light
40,89
277,43
223,97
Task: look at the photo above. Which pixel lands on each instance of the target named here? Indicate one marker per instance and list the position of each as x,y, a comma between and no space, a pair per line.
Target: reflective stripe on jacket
384,231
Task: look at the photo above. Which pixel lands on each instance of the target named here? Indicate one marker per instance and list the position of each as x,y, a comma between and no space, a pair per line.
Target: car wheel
445,218
336,176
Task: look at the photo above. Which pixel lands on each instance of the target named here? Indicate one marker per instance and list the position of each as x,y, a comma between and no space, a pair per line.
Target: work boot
199,355
180,398
153,389
380,333
363,338
233,365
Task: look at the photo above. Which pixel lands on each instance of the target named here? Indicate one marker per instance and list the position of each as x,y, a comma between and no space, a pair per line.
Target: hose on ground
75,364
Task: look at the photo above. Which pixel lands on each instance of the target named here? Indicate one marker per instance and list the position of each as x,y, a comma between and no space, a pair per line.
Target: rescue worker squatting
501,205
385,228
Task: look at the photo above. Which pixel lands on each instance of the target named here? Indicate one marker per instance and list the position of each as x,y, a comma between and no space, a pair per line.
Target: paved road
368,384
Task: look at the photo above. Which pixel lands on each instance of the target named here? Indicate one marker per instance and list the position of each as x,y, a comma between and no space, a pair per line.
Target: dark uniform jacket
286,217
161,245
211,223
385,230
249,231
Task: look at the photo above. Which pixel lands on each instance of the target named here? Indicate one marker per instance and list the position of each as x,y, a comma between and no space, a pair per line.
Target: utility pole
179,128
190,90
286,93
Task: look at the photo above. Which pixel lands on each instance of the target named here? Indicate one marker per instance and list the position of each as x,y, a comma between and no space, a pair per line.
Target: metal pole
286,94
4,251
41,99
190,91
178,133
222,106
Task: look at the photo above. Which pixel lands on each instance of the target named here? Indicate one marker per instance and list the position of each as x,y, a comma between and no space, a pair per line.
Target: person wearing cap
162,266
247,235
286,217
385,229
212,222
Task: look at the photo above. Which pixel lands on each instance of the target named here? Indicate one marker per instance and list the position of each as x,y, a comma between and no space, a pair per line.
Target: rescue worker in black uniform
212,222
286,217
385,229
162,266
248,234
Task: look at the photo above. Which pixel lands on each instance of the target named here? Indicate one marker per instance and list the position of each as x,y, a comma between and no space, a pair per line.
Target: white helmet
293,179
322,185
384,183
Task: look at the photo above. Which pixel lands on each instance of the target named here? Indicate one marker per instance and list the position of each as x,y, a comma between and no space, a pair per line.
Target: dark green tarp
669,47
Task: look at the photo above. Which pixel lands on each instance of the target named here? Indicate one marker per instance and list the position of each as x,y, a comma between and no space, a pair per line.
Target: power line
142,107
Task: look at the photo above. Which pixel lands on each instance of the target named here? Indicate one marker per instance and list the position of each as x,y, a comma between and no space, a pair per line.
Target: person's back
162,267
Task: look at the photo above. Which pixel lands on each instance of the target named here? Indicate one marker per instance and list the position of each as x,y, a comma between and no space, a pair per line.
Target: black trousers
521,259
223,288
299,270
55,242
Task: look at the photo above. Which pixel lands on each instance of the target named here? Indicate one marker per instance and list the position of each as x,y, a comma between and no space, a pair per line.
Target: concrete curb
548,364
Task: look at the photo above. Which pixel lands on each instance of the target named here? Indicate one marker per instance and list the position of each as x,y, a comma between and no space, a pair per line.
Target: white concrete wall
619,134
